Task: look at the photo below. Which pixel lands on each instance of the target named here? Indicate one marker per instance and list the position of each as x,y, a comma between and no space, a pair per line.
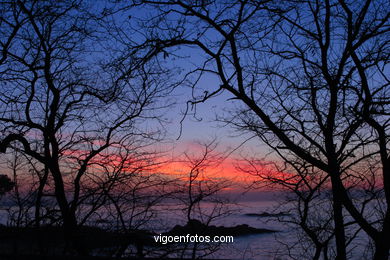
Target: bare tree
311,76
64,105
197,196
200,192
306,208
199,186
122,194
21,197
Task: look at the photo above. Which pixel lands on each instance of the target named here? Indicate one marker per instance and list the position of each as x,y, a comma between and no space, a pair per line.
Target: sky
183,135
203,127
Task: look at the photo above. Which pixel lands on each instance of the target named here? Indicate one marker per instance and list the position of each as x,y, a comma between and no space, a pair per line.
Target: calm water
251,247
255,247
261,246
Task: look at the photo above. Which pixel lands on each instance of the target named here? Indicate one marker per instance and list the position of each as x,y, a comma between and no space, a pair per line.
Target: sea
256,247
287,243
279,245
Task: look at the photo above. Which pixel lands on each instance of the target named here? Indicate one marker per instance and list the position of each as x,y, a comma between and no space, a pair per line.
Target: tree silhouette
65,105
6,184
312,80
197,187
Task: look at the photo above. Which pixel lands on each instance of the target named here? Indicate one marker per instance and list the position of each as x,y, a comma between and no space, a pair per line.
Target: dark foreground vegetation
88,90
97,243
196,227
50,241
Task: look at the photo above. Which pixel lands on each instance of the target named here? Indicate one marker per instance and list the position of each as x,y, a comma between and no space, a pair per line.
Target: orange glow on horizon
239,173
226,170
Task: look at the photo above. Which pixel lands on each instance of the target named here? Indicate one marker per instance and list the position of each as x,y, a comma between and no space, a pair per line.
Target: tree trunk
382,247
38,202
338,221
317,253
69,218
